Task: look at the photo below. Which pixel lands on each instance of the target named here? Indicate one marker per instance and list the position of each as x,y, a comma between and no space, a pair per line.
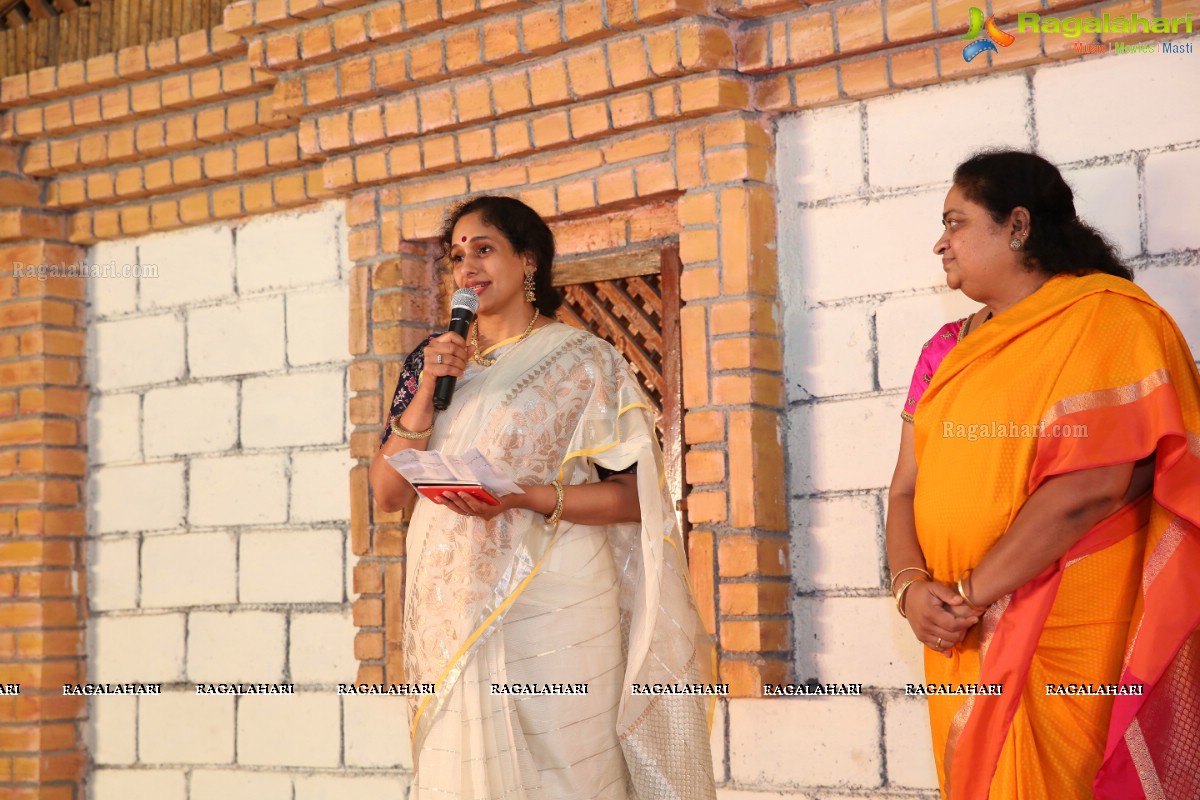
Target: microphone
463,306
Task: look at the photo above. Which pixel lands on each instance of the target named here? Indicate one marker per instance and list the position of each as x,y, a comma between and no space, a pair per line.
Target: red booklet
432,490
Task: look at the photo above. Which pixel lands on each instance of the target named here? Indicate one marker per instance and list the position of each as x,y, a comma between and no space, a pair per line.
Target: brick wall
628,126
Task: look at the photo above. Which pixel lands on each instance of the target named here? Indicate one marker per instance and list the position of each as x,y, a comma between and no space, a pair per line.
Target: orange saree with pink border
1099,655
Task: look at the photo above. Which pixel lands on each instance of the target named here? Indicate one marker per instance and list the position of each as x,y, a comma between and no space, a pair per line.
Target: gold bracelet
399,431
900,595
558,503
908,569
963,593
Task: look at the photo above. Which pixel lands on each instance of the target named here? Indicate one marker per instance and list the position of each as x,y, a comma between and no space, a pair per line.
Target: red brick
584,20
588,72
463,50
426,60
541,30
501,42
316,41
510,93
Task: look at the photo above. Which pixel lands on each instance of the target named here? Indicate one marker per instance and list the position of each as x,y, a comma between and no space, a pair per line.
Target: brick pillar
391,309
43,403
733,396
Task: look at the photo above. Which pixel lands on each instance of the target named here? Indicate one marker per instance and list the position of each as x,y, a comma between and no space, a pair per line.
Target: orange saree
1086,372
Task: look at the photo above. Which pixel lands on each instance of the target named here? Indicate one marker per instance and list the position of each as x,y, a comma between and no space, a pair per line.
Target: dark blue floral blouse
406,387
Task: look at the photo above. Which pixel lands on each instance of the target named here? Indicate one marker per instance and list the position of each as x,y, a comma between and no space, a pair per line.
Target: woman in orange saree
1044,523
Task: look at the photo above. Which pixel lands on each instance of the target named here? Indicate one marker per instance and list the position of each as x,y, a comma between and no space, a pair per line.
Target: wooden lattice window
632,300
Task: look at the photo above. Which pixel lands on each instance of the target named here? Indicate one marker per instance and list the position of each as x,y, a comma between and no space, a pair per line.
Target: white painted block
1171,197
189,569
236,338
1176,289
289,249
112,573
820,153
240,785
835,543
137,784
805,742
838,251
827,351
1150,112
305,408
194,418
909,743
919,136
322,648
111,729
300,730
120,649
116,295
246,646
832,633
195,265
904,323
376,731
135,351
337,787
291,566
844,444
1106,197
182,727
321,485
318,325
238,490
137,497
114,428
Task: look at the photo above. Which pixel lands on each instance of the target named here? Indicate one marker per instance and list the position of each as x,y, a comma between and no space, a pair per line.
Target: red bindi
464,238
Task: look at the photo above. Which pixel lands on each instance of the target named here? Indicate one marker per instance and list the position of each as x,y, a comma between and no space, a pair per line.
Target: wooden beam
41,9
606,268
66,5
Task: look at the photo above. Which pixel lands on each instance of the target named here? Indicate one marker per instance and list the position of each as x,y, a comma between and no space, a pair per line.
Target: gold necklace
487,362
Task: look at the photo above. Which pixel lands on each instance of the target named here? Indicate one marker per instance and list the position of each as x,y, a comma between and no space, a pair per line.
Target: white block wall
860,190
219,501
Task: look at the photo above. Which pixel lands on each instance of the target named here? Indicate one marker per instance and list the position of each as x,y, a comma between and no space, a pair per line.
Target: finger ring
939,643
439,358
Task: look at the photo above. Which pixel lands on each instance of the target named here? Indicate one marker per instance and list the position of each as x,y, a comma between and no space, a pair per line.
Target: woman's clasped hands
938,615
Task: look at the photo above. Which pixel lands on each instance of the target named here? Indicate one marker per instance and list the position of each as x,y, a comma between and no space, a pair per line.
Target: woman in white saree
579,580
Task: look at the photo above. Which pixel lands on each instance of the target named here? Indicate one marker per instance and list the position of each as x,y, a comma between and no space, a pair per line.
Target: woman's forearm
903,548
392,492
1053,519
607,502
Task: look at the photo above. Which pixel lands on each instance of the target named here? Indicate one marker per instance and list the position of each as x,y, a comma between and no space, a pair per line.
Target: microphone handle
443,390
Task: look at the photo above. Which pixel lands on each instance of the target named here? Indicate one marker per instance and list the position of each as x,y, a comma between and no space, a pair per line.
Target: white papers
429,467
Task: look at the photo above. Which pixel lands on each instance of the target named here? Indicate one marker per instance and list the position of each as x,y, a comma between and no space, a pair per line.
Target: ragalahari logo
993,35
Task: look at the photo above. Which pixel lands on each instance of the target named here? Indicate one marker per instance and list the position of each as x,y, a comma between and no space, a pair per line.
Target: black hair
524,229
1059,243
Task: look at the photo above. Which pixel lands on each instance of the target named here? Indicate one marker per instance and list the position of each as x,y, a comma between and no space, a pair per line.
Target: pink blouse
932,353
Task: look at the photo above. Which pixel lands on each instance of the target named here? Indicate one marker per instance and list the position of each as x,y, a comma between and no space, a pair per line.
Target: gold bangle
399,431
558,503
900,595
963,593
908,569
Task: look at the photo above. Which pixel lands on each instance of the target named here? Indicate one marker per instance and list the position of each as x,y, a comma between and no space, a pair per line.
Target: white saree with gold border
517,601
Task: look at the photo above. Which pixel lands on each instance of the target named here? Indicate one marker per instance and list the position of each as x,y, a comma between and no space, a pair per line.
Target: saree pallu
1086,372
516,601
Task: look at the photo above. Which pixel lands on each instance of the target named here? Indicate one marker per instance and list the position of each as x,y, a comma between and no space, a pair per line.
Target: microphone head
465,298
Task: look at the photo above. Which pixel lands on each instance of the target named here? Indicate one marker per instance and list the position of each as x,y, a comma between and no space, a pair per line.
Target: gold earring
529,293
